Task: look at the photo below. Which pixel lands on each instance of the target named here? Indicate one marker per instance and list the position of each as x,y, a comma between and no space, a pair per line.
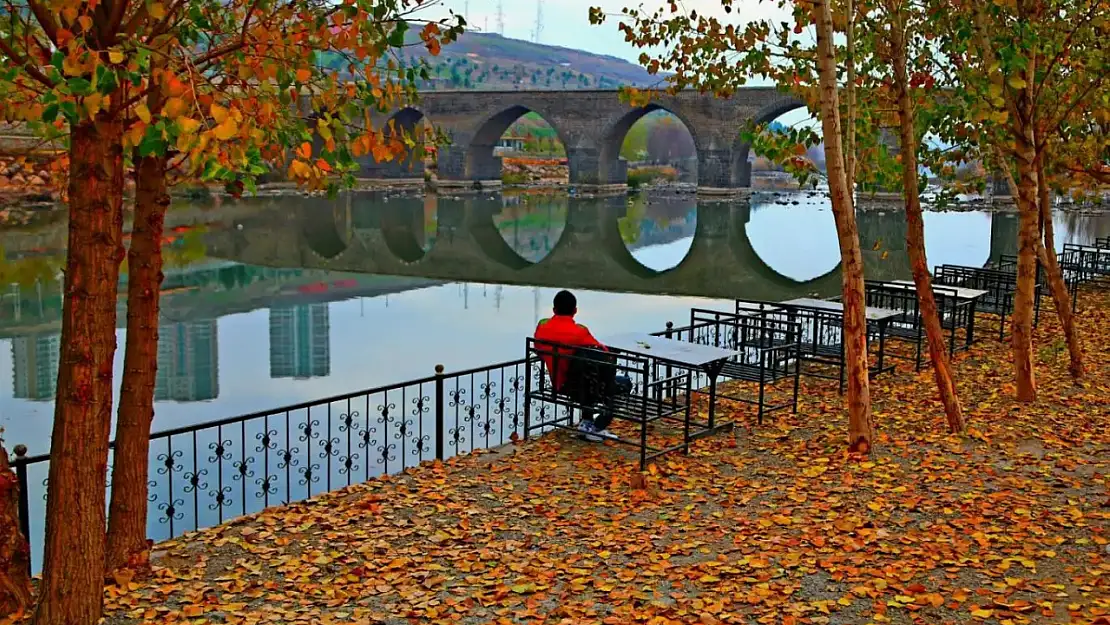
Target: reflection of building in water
300,341
188,362
35,366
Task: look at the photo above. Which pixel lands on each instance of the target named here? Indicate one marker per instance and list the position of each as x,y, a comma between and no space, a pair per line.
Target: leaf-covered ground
772,524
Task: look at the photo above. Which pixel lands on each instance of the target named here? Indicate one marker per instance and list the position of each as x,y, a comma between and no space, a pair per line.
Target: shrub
649,175
514,177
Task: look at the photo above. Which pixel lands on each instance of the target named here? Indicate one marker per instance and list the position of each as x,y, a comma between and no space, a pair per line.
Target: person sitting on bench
589,375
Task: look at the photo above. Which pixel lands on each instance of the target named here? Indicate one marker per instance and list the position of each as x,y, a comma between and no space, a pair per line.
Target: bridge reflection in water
463,240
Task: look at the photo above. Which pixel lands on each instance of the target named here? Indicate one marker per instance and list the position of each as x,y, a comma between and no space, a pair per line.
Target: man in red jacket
563,329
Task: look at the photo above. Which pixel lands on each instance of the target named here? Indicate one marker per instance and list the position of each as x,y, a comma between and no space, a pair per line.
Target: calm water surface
270,302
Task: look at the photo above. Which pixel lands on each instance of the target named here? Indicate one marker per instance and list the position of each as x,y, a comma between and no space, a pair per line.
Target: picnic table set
765,347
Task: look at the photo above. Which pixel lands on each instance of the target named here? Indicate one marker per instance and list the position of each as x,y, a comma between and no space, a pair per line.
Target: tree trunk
1028,235
860,428
850,96
127,542
915,238
15,552
71,591
1047,255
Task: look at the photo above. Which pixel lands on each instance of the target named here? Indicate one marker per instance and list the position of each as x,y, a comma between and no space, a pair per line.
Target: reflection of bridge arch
468,247
318,219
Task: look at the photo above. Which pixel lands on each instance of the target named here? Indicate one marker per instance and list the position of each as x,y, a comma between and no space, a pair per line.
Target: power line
538,30
500,18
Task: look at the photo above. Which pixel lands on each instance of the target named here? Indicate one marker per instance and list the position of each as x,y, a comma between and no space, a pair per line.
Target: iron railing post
24,497
670,386
439,412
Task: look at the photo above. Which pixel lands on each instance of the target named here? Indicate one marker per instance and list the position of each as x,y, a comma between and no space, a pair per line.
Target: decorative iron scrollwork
288,457
266,486
193,481
242,469
221,450
347,421
308,474
328,447
169,462
308,429
348,464
170,510
266,440
385,453
221,498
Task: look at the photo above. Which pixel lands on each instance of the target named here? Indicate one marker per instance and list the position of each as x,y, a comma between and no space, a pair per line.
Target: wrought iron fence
205,474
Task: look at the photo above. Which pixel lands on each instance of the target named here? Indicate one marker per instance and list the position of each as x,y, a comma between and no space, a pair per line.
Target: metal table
708,358
879,316
960,293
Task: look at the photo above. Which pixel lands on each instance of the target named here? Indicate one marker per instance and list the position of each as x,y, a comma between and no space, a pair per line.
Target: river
273,301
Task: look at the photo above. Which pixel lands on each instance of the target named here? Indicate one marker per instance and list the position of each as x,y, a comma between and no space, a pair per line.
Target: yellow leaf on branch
226,130
93,103
218,113
174,108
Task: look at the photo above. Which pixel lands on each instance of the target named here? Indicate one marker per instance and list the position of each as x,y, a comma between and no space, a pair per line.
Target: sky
566,22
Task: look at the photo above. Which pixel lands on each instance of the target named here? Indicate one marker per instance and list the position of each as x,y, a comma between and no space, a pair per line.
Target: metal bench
954,311
1070,270
820,324
1000,287
644,405
1091,262
767,347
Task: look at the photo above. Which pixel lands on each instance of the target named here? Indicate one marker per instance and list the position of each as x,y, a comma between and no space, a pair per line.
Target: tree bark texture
71,591
1028,235
860,427
15,552
915,238
1047,255
127,541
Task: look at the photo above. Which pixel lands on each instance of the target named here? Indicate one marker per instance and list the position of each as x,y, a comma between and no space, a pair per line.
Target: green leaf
79,86
50,113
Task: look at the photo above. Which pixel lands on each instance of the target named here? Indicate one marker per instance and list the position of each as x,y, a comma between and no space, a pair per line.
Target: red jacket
562,329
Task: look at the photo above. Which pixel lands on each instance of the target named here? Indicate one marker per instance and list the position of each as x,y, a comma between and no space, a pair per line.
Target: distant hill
488,61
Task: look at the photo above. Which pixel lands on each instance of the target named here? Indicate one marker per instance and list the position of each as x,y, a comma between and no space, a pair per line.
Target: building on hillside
509,143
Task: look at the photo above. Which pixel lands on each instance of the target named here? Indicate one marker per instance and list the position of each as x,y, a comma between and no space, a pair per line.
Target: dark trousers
601,420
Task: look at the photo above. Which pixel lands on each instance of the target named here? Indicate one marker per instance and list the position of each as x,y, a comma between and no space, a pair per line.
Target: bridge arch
741,169
406,120
480,161
610,168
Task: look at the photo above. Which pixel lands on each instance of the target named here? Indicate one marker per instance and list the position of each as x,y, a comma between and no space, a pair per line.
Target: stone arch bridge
591,124
364,235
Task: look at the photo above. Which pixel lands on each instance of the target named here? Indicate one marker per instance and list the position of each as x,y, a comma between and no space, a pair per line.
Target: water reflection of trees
1083,227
